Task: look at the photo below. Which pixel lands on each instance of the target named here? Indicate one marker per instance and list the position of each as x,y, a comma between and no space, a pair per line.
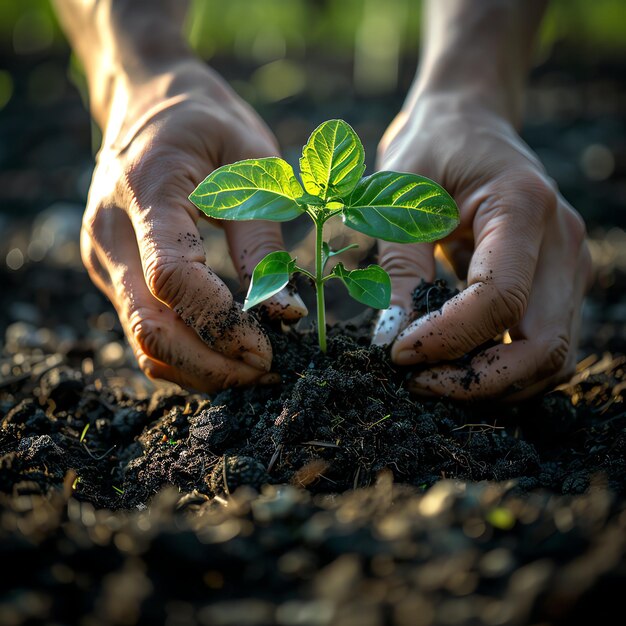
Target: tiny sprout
82,435
394,206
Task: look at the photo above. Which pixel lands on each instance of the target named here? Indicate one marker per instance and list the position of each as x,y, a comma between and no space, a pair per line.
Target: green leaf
371,286
255,189
327,253
333,160
270,275
308,200
401,207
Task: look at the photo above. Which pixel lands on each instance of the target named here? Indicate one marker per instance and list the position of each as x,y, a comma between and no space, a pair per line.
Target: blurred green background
276,35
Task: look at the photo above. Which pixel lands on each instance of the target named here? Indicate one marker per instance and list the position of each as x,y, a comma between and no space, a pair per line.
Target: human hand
140,242
520,245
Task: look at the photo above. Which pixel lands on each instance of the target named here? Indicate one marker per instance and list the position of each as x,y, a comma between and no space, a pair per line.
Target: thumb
406,264
249,242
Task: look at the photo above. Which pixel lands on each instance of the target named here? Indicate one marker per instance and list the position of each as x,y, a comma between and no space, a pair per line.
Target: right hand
140,242
520,245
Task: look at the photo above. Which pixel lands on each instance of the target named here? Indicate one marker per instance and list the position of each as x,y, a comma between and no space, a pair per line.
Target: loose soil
332,498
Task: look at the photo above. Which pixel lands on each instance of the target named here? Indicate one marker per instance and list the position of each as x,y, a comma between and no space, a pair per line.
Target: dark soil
125,506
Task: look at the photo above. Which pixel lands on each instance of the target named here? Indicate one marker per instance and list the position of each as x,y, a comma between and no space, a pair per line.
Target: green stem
319,284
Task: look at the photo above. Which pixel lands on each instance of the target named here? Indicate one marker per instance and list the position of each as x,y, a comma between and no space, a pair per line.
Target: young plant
394,206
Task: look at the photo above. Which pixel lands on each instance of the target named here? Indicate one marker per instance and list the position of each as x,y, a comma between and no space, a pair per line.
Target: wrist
479,52
124,42
467,98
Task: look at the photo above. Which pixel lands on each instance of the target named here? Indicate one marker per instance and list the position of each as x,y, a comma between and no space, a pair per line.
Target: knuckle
523,191
403,263
152,174
148,366
542,188
542,193
576,227
148,335
555,354
510,306
163,276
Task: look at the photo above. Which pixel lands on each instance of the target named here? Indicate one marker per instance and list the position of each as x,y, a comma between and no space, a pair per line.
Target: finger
508,228
98,274
173,262
543,351
555,307
498,371
165,347
160,371
406,265
249,243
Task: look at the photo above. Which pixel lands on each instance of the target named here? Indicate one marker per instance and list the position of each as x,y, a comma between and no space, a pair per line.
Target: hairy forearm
123,42
481,49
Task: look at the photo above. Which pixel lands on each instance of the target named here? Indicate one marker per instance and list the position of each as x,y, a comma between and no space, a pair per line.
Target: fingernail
257,361
287,304
405,357
270,379
408,357
390,322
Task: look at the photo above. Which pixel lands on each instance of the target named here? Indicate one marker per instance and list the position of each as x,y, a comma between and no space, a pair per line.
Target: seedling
82,435
394,206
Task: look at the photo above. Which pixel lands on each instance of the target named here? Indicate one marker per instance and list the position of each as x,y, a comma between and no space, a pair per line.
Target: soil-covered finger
406,265
509,223
249,243
173,261
497,372
172,349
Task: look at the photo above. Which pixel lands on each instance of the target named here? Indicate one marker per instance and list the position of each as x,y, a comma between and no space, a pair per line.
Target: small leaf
401,207
270,275
333,160
263,189
370,286
308,200
352,246
327,253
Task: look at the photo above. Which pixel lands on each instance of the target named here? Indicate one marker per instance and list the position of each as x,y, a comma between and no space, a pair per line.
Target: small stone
212,427
23,336
34,449
234,471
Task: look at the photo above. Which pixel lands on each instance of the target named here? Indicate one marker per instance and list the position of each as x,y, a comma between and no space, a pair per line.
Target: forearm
122,43
480,49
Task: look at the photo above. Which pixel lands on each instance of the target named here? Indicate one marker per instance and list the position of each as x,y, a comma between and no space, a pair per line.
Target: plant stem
319,284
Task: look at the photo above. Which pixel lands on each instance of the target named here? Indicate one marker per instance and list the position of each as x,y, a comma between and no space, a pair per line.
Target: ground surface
121,502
